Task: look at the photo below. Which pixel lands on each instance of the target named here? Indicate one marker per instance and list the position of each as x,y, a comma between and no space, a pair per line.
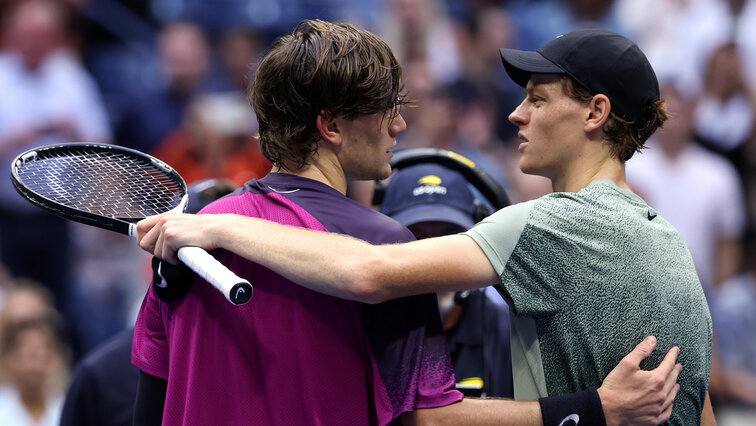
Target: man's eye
397,109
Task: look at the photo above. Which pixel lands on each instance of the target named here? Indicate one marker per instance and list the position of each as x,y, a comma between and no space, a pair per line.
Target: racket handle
237,290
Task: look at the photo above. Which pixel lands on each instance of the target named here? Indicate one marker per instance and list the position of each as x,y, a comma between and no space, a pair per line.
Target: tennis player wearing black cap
590,269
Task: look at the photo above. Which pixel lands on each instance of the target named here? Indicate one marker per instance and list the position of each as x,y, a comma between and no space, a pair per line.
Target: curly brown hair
323,68
624,137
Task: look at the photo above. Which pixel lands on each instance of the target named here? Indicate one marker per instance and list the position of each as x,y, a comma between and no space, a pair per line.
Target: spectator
216,140
733,315
678,36
103,386
724,114
31,353
476,138
25,300
697,191
47,97
539,22
238,51
415,28
185,63
493,28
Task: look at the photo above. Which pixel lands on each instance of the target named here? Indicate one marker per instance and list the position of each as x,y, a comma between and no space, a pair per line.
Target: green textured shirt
589,275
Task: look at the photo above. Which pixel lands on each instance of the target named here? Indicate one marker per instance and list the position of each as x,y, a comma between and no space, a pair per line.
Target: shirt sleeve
528,245
497,235
150,348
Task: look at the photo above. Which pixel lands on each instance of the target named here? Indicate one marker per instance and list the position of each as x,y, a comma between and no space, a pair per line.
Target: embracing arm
334,264
628,396
471,411
353,269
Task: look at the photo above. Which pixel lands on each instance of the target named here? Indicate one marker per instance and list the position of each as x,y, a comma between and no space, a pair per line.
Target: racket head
107,186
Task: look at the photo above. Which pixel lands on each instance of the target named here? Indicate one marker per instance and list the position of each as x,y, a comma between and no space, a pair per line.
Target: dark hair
52,323
625,138
320,68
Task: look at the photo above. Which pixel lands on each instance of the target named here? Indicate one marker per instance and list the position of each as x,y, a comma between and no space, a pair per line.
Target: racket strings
105,183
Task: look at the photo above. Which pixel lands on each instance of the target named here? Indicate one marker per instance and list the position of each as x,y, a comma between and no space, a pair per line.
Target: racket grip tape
237,290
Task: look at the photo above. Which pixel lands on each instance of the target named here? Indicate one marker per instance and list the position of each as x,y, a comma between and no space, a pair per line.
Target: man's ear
599,109
328,127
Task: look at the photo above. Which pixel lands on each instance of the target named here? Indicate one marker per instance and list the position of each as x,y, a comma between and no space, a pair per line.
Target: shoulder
231,203
600,212
499,234
560,208
508,220
357,220
395,232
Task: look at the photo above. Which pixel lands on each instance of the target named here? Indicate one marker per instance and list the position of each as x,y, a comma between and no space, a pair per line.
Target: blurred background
168,77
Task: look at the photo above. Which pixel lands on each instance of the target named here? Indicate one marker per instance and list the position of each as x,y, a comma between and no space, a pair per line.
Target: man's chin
526,168
529,169
373,176
385,175
382,174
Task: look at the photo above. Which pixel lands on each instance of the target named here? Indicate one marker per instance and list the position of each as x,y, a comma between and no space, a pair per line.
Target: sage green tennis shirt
589,275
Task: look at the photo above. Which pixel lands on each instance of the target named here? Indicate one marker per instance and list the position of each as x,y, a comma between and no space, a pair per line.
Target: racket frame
121,225
238,292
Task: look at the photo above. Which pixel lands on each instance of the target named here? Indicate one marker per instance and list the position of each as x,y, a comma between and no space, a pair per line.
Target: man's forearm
584,407
316,260
337,265
333,264
471,411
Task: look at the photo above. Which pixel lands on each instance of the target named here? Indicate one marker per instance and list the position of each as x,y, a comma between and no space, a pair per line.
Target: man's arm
629,396
471,411
334,264
707,415
352,269
150,400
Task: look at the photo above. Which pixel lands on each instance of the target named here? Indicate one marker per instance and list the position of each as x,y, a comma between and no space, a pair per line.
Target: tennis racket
113,187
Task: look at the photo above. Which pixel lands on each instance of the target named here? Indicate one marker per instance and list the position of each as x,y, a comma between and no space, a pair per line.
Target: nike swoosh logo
163,282
571,418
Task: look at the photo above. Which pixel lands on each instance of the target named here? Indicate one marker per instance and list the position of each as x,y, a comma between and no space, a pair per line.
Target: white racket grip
237,290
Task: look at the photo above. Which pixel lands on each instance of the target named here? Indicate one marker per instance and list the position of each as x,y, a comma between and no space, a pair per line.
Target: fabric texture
596,272
291,355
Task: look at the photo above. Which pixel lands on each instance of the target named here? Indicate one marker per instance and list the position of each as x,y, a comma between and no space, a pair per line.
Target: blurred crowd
168,77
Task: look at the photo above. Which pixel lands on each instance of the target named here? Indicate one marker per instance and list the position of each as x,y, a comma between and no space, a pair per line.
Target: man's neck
590,171
324,169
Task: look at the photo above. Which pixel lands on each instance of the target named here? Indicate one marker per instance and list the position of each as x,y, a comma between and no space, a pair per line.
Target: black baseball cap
601,61
429,193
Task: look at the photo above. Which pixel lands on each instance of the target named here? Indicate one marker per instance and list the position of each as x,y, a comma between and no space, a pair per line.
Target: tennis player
590,269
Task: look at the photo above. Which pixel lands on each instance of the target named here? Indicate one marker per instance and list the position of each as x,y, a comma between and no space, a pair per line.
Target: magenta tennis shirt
292,356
